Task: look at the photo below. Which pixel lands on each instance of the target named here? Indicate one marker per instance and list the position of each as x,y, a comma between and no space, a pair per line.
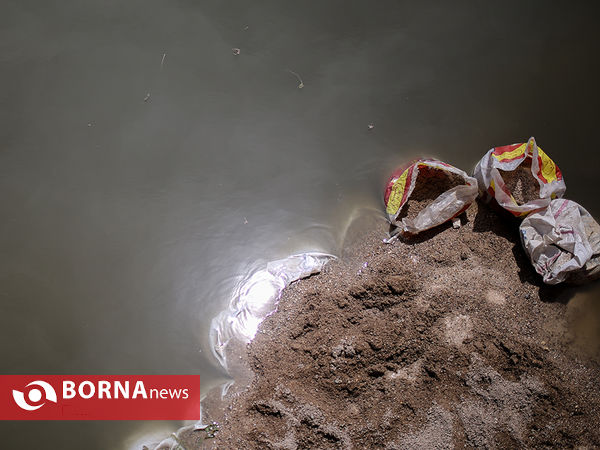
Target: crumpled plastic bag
446,206
257,296
562,242
507,159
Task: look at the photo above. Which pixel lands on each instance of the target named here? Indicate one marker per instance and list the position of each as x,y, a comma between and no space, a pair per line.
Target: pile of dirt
430,184
445,340
521,183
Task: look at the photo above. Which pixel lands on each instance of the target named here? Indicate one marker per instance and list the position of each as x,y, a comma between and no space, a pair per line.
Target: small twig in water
162,61
301,85
147,97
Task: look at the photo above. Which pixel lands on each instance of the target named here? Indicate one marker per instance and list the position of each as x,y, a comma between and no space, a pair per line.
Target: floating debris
147,97
371,126
162,61
301,85
236,51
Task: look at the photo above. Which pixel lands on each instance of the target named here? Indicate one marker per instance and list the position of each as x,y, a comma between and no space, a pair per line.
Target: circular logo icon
35,398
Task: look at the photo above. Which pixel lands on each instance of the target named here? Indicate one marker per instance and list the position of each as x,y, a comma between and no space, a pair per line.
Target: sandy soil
521,183
446,340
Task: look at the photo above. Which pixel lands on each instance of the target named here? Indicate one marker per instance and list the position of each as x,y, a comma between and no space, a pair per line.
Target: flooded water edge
146,168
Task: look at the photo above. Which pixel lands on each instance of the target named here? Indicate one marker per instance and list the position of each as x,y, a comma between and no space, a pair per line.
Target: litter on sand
560,237
562,242
257,296
521,178
426,193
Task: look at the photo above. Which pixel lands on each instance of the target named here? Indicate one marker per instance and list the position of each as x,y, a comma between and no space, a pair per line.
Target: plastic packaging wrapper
540,178
444,207
257,296
562,242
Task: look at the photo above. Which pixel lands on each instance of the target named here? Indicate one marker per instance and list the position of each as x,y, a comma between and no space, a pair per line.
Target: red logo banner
99,397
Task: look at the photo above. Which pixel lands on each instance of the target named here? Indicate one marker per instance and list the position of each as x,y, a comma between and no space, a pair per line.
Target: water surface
145,168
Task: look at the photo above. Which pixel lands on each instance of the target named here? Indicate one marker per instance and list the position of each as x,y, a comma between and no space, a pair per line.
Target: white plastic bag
562,242
257,296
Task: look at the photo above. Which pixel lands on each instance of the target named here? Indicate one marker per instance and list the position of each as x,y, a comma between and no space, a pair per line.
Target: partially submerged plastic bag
257,296
562,242
520,177
456,190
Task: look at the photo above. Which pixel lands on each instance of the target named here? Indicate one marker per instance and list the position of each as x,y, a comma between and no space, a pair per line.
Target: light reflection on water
126,223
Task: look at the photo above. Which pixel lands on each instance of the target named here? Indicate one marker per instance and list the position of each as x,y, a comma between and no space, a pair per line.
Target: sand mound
445,340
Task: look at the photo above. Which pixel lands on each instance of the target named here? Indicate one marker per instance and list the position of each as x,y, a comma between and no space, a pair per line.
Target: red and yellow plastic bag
445,206
525,160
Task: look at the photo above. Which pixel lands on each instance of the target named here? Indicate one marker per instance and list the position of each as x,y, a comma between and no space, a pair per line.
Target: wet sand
446,340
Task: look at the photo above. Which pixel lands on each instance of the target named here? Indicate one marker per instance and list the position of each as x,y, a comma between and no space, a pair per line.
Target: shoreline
447,339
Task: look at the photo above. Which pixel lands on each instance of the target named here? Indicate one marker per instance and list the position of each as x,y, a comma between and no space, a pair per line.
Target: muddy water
144,167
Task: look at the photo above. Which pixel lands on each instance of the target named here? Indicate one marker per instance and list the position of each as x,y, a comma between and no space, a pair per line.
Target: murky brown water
136,190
